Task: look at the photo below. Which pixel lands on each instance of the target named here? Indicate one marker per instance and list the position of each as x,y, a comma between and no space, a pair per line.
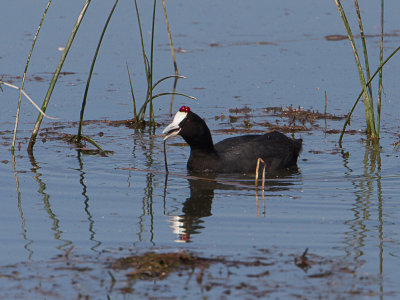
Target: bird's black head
191,127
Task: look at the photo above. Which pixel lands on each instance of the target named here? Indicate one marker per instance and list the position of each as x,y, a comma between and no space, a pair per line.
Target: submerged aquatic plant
373,124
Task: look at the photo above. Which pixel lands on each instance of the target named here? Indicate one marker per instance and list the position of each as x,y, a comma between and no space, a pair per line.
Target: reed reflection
92,232
368,197
147,200
47,204
20,210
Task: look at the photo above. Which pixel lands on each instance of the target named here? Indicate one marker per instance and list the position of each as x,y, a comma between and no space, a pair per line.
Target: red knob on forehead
185,109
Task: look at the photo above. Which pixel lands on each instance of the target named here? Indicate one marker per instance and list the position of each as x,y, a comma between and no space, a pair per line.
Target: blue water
342,202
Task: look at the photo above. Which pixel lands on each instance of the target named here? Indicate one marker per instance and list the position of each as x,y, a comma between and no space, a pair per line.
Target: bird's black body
235,154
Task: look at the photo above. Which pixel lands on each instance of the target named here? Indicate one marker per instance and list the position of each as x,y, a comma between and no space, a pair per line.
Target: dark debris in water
302,114
286,119
341,37
55,133
302,261
153,265
183,275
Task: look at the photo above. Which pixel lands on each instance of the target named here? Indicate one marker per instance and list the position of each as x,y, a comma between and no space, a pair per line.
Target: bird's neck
202,143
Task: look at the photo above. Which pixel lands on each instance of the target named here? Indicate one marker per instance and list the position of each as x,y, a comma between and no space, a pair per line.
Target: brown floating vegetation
341,37
264,274
151,265
302,114
297,119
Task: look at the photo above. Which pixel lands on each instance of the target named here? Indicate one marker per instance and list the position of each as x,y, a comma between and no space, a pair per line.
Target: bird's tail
298,144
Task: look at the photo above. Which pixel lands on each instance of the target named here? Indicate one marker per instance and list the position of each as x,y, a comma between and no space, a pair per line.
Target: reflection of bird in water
198,205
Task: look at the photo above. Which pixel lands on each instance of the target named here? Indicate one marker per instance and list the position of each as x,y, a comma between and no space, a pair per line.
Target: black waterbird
232,155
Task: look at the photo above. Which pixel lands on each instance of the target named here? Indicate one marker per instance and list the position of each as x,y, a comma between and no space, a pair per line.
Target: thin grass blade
141,38
56,74
378,113
24,76
79,135
133,95
27,97
167,77
143,108
362,92
369,112
364,45
173,55
150,94
179,94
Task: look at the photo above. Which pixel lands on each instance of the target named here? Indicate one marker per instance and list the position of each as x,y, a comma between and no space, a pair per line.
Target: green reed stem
364,45
167,77
378,117
151,118
135,117
368,105
362,92
88,139
56,74
173,56
146,62
24,76
162,94
149,65
174,93
79,135
141,37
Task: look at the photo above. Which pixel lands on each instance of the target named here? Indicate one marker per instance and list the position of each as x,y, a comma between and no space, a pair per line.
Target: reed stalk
55,76
135,117
24,76
79,135
27,97
378,120
150,94
145,60
373,126
143,108
369,112
364,45
149,66
347,121
173,55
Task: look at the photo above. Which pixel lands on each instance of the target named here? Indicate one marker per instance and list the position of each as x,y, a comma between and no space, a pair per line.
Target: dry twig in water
263,175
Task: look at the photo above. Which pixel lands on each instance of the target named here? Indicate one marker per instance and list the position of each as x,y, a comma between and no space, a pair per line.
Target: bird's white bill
173,129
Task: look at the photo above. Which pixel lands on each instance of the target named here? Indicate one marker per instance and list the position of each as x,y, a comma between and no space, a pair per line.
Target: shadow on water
202,188
368,192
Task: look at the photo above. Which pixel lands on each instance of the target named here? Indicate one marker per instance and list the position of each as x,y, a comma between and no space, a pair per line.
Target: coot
235,154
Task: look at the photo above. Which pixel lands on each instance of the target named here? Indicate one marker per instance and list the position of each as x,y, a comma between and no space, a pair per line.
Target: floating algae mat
153,265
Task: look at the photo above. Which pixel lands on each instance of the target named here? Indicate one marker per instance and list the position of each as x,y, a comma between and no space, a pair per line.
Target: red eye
184,109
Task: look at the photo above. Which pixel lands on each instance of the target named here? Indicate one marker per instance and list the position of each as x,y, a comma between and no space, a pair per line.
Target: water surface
341,203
